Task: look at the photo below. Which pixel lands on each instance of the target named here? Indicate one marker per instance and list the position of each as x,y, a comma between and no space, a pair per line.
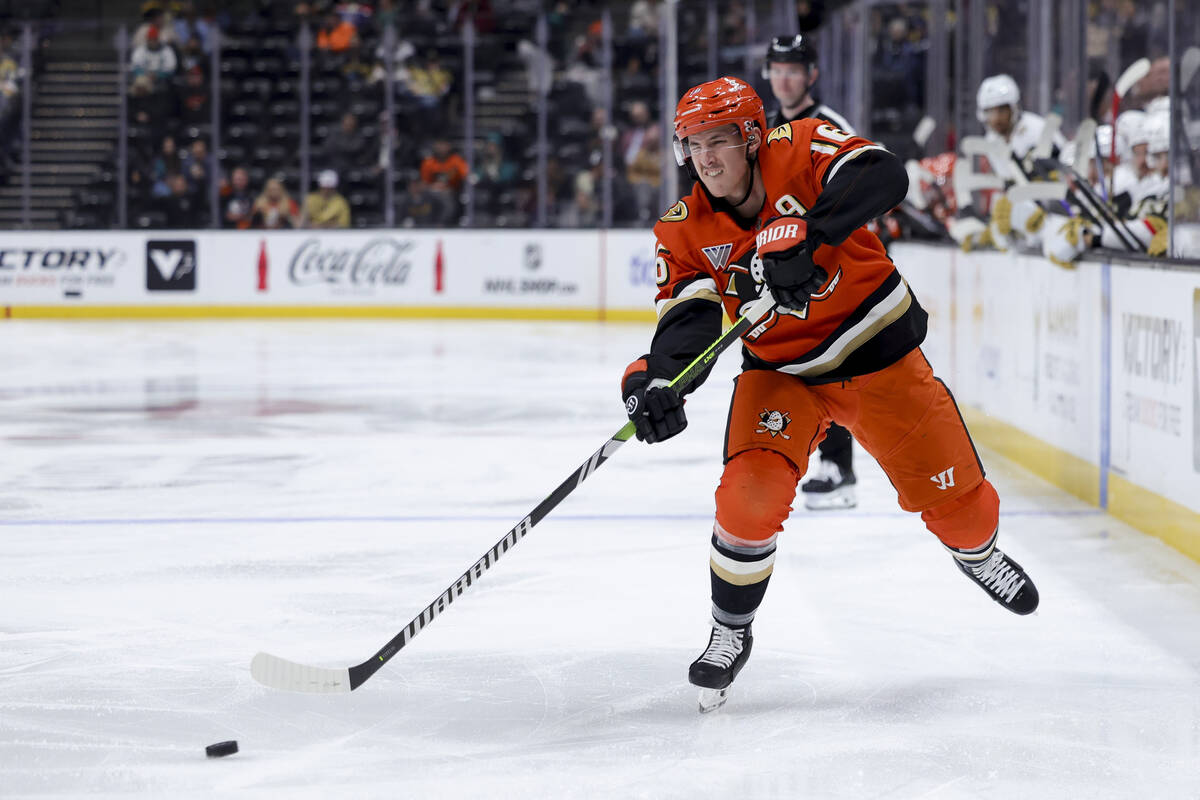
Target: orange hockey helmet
720,102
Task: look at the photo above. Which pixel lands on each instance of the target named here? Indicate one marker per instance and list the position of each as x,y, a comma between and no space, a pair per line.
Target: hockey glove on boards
654,407
788,268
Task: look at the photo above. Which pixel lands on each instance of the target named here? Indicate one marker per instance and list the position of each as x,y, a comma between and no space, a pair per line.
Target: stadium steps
39,218
75,120
56,197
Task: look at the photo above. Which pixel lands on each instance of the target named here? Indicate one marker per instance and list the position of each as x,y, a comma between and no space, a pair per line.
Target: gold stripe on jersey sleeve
703,294
829,362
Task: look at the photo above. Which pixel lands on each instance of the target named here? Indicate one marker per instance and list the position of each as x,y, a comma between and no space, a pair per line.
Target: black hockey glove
788,268
655,408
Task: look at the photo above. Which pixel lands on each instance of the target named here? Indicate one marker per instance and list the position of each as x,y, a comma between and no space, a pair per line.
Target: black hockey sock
837,446
739,580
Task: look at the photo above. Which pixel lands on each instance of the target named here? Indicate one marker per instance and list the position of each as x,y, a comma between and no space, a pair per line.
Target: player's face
719,156
1141,162
999,119
789,83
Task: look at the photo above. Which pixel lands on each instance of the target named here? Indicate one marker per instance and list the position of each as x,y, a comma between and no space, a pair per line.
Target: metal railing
562,96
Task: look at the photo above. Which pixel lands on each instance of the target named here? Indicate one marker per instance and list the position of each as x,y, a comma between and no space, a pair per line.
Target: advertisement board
72,267
930,275
629,283
1155,397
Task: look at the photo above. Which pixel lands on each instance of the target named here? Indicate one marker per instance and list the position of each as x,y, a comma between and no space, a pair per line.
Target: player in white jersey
998,107
791,67
1131,152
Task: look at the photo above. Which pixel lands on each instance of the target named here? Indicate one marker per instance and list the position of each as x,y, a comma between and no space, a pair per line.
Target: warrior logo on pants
774,423
944,479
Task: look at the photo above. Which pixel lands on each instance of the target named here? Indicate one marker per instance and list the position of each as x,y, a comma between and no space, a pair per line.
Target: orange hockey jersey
864,318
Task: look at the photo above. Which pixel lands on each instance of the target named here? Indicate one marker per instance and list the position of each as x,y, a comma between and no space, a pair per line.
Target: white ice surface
175,497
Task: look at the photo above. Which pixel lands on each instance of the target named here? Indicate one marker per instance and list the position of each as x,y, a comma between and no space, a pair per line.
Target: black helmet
796,49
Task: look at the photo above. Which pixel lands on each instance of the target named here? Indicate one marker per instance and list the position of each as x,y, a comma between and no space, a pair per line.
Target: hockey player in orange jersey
783,210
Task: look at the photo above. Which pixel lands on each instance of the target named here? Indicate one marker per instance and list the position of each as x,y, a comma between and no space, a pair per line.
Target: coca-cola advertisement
379,264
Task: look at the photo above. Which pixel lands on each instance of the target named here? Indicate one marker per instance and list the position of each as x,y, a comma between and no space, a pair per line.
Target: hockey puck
221,749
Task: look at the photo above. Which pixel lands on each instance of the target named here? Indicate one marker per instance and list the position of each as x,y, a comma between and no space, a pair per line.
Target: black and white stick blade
279,673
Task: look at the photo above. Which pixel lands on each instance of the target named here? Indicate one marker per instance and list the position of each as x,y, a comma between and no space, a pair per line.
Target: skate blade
712,699
828,501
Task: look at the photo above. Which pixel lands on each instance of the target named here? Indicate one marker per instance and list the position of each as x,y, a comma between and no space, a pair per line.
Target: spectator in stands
422,207
194,99
196,166
640,151
479,11
643,19
355,70
188,25
274,208
183,207
584,210
166,163
326,208
810,14
444,165
153,58
336,34
239,203
733,25
495,169
494,175
386,16
10,95
10,87
192,57
357,14
153,19
898,73
147,107
345,149
430,81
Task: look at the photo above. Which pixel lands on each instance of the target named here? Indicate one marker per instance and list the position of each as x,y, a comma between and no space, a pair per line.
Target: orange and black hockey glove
788,268
654,407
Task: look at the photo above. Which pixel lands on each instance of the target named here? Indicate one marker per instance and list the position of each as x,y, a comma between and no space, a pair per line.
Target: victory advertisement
69,267
1155,402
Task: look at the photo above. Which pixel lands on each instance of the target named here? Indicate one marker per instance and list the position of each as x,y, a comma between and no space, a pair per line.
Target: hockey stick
1128,79
279,673
1037,192
1096,208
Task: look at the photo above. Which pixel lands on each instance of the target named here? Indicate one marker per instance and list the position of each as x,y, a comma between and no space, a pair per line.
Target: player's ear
813,73
753,141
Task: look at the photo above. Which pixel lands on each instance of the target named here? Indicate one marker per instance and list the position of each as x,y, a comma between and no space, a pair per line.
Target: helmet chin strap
751,158
749,186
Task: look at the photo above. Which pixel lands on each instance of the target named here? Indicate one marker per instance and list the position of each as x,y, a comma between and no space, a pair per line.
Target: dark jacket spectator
346,148
239,203
184,208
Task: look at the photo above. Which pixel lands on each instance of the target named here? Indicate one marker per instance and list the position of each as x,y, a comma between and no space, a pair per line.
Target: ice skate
1003,580
831,488
714,671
